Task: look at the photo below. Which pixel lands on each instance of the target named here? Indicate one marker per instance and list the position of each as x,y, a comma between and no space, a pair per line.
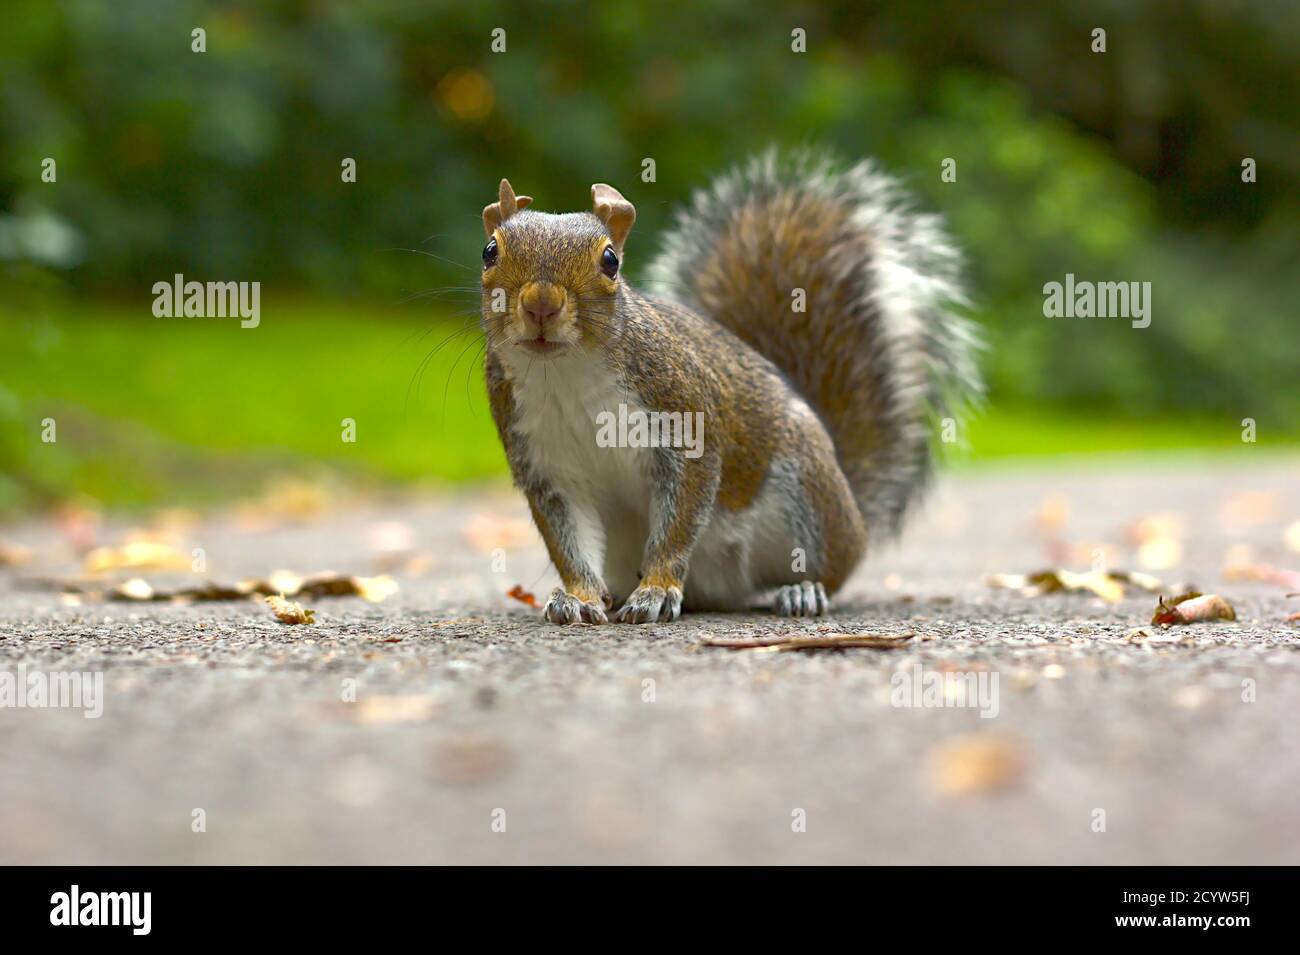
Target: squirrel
808,328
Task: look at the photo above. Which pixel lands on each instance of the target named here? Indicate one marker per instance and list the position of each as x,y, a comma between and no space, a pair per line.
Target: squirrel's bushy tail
877,351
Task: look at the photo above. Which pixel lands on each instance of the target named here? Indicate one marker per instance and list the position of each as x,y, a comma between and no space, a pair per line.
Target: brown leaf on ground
1192,608
372,589
137,588
829,641
287,611
390,709
471,759
11,555
1163,524
1108,585
523,596
976,763
1160,553
282,583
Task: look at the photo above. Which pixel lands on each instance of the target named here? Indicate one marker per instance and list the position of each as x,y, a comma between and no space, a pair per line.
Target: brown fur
670,359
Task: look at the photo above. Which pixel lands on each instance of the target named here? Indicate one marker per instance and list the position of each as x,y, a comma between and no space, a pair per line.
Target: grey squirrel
806,324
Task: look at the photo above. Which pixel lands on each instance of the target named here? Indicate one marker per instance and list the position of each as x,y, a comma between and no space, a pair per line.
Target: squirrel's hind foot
806,599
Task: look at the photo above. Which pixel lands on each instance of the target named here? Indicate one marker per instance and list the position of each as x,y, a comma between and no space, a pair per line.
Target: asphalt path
448,723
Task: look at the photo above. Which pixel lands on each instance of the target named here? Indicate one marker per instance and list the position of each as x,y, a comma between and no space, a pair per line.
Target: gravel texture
639,744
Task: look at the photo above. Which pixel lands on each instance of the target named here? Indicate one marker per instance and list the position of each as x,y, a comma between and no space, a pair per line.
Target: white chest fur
558,407
609,489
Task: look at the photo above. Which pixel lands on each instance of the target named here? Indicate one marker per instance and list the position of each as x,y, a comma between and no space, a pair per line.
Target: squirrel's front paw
566,608
651,605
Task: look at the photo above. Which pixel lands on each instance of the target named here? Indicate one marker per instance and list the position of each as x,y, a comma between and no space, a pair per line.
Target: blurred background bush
225,165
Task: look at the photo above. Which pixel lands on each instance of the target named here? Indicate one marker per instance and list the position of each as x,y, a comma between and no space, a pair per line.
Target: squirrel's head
551,282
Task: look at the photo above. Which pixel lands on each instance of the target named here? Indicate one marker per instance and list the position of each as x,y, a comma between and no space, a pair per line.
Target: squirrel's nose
542,301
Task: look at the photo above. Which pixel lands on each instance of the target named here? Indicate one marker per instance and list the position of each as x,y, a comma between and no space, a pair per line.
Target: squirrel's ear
506,206
612,209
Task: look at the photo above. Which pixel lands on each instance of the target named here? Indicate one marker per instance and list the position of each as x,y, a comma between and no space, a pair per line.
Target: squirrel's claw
651,605
565,608
805,599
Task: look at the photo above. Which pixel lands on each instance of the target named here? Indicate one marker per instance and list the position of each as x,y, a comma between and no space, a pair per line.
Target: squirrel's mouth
541,346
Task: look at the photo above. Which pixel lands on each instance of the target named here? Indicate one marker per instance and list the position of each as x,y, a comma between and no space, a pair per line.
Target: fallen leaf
1192,608
1191,697
976,763
287,611
1106,585
375,589
1158,526
137,588
1160,553
1292,536
391,709
830,641
388,537
1137,579
282,583
11,555
471,759
523,596
137,554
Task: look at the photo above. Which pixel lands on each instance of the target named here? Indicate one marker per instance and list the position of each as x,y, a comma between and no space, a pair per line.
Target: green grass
194,410
1014,431
145,406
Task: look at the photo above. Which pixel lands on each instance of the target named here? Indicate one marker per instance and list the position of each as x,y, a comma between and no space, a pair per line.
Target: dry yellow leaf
137,588
976,763
1160,553
138,554
391,709
1292,536
286,611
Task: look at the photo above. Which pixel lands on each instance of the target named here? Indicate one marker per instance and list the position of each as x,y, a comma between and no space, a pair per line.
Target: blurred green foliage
1115,166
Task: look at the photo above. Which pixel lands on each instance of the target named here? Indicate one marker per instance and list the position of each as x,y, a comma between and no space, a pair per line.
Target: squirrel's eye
609,262
490,254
